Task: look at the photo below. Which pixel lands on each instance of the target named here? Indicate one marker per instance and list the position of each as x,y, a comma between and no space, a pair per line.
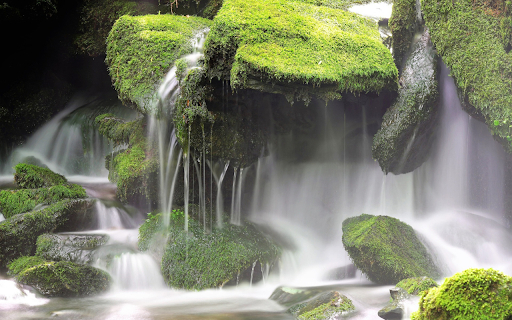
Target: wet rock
69,247
395,309
288,296
403,24
327,305
386,249
407,133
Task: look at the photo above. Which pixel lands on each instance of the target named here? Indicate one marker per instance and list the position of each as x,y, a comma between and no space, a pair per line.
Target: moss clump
60,279
404,141
297,49
473,37
386,249
200,260
403,24
482,294
22,263
328,305
18,201
29,176
141,50
416,286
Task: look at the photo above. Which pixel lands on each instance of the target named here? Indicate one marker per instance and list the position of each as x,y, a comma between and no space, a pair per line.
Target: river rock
406,136
69,247
327,305
386,249
288,296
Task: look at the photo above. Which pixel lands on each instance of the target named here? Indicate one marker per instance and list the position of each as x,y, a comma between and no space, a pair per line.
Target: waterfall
219,178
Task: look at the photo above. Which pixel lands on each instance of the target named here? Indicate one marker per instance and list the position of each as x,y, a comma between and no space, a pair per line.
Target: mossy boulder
474,40
69,247
327,305
60,279
142,49
28,176
297,49
415,286
197,260
386,249
406,136
403,25
472,294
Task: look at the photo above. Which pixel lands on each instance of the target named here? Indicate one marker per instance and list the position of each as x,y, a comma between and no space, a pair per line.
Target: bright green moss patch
21,264
483,294
386,249
416,286
29,176
297,49
328,305
18,201
141,50
472,38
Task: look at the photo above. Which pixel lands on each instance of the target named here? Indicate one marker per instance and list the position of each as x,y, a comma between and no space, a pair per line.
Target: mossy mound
60,279
482,294
18,201
28,176
386,249
328,305
403,25
298,49
197,260
142,49
74,248
404,141
416,286
473,38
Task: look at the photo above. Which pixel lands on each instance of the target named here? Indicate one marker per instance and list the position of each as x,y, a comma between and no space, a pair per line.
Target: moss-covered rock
472,294
66,247
141,50
327,305
289,296
394,310
386,249
403,25
416,286
473,38
19,233
198,260
28,176
407,133
298,49
60,279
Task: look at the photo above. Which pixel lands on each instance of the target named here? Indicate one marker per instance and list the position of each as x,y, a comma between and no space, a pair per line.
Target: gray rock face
406,135
69,247
395,309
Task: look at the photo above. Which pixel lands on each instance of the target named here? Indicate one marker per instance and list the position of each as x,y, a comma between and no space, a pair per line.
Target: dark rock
395,309
69,247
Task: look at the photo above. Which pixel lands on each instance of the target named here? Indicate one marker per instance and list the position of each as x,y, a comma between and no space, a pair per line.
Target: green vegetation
386,249
403,24
200,260
482,294
416,286
473,37
29,176
18,201
297,49
141,50
59,279
328,305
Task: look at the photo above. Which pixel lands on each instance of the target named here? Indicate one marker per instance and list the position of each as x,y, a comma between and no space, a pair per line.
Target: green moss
328,305
28,176
416,286
65,279
403,24
297,49
141,50
22,263
386,249
18,201
482,294
469,36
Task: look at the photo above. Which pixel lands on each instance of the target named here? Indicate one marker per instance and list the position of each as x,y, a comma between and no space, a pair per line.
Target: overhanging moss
298,49
141,50
472,37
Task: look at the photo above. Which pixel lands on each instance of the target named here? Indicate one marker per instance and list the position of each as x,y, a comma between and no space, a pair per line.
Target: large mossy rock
405,139
60,279
386,249
297,49
28,176
474,39
197,260
472,294
142,49
69,247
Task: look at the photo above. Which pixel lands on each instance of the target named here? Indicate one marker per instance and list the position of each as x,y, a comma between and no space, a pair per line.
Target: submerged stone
472,294
69,247
405,139
386,249
297,49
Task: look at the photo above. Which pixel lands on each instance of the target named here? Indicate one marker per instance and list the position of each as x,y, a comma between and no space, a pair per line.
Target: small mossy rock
474,40
288,296
29,176
386,249
415,286
327,305
403,24
18,201
18,234
142,49
406,136
197,260
483,294
69,247
395,309
64,279
297,49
